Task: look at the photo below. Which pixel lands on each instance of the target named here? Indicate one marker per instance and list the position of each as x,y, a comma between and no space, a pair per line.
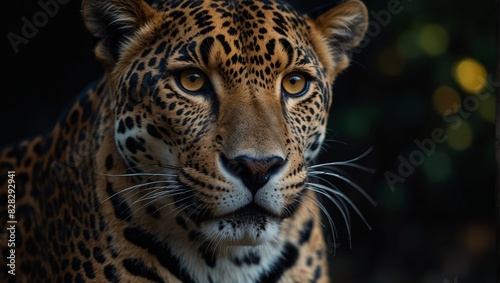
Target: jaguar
189,159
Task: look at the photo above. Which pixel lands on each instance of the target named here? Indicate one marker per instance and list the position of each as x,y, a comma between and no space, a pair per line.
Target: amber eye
192,80
295,84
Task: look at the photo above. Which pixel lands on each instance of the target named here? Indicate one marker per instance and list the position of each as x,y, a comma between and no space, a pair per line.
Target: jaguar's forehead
222,6
250,19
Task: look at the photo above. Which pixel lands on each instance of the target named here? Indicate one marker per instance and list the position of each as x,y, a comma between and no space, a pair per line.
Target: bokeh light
478,239
470,75
408,45
444,99
437,167
487,109
358,121
460,136
433,39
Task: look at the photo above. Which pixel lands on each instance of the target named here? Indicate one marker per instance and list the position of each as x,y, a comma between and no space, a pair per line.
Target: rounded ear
113,21
343,24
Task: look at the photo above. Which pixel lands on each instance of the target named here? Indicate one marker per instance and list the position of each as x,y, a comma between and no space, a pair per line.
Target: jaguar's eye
295,84
192,80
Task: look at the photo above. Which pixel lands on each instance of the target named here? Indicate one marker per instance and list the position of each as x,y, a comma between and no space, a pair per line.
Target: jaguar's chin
248,226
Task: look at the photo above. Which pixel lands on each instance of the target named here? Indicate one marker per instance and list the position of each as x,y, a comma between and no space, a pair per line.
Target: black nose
253,172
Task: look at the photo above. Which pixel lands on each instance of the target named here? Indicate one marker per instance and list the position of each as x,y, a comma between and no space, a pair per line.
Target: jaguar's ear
342,24
113,22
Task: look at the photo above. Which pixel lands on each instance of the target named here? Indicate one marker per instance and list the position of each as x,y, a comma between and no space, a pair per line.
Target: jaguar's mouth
248,226
249,212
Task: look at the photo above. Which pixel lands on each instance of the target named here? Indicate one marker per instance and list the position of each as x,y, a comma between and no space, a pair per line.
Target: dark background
436,226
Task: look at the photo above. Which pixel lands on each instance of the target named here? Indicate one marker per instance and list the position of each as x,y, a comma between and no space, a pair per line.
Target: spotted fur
145,181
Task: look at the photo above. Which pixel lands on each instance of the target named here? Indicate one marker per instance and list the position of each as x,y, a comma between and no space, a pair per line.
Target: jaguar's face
227,101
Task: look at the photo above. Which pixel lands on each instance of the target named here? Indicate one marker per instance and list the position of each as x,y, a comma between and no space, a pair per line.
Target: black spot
153,211
121,127
317,274
138,121
131,91
122,210
250,259
232,31
309,261
208,255
172,106
161,48
207,30
138,268
153,131
75,264
305,233
146,52
129,122
133,145
280,31
82,247
111,273
205,49
319,254
181,222
163,253
89,270
42,147
162,104
287,47
314,146
225,44
109,162
152,62
99,255
288,258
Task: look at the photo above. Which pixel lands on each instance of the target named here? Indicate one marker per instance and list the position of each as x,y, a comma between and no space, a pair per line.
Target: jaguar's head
220,105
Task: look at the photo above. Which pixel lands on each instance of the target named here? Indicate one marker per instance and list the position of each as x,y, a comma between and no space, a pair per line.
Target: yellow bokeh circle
470,75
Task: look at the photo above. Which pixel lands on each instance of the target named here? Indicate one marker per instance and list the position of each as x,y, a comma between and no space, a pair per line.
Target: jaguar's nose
254,173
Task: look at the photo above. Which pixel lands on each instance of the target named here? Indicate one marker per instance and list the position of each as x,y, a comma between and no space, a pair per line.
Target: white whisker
137,186
333,194
177,201
154,196
316,216
354,185
347,163
158,192
323,190
342,208
333,228
137,174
